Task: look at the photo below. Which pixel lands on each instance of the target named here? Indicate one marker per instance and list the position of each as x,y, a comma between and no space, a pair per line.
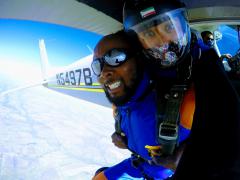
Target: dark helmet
162,28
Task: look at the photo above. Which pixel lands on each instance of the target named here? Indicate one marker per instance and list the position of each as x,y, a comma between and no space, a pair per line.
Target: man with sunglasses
207,38
212,150
127,85
208,42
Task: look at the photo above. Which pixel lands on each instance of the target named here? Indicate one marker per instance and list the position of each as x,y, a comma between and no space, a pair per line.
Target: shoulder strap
168,116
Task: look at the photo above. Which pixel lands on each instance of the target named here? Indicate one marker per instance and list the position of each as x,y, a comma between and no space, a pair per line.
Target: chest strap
168,117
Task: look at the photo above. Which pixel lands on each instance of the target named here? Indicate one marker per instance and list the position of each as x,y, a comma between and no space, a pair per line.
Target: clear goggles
113,58
165,37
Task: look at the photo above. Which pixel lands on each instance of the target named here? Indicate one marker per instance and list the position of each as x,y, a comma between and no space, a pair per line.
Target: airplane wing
105,16
69,13
199,10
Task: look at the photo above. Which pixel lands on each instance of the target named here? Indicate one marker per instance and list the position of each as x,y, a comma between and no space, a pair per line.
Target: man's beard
129,90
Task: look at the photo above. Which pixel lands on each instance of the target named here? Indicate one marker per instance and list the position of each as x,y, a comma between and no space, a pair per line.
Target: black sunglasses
114,58
210,39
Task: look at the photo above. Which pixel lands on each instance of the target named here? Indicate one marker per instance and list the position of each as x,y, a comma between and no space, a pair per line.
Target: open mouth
114,85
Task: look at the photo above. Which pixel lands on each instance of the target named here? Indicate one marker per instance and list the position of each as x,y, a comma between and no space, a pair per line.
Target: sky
229,42
19,49
19,40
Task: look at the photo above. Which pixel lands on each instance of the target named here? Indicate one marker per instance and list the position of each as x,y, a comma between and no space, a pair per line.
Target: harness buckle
168,131
168,135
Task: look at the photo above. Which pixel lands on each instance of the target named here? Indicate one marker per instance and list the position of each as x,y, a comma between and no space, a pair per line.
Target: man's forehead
109,43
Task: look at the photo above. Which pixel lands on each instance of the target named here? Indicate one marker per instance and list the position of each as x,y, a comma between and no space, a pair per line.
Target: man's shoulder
209,53
208,58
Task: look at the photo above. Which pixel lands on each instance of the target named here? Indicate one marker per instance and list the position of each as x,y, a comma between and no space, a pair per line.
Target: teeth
114,85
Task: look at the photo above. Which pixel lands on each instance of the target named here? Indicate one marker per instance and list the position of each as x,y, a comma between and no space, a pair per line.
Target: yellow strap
152,147
153,150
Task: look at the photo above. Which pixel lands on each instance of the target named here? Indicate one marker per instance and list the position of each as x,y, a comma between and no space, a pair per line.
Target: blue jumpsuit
139,125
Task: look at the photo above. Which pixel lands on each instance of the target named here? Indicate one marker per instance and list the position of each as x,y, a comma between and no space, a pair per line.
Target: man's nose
161,38
107,72
159,41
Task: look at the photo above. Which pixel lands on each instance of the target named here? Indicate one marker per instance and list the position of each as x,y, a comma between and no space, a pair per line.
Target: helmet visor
165,36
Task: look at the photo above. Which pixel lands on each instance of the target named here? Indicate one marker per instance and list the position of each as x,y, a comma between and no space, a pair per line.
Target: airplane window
229,42
227,47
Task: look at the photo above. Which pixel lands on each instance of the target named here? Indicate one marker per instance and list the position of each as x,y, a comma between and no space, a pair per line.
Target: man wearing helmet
213,148
162,42
164,35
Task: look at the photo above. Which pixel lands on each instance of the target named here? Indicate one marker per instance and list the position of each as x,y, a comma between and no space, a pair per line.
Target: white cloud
50,136
20,71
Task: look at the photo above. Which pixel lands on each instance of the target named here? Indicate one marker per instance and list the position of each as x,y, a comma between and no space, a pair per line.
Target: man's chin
117,100
121,98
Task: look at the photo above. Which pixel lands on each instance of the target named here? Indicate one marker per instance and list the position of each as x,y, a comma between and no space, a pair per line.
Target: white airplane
76,79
